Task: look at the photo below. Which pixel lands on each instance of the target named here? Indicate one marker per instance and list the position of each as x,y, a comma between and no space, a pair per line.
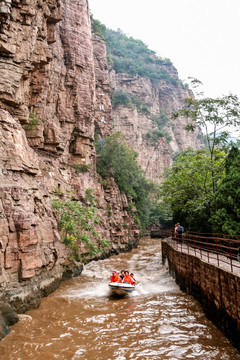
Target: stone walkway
220,261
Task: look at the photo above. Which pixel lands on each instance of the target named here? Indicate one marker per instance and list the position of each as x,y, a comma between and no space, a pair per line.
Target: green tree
212,115
226,217
186,191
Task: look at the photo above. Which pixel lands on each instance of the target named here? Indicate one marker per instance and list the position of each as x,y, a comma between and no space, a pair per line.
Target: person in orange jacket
127,278
115,277
133,279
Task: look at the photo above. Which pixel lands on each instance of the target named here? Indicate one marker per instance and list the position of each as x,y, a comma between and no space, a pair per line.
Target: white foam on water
24,317
78,353
92,290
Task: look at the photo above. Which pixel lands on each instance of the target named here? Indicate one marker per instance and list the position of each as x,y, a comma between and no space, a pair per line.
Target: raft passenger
133,279
127,278
115,277
122,275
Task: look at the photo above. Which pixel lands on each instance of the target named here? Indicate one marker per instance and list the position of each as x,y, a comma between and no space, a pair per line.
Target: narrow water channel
81,321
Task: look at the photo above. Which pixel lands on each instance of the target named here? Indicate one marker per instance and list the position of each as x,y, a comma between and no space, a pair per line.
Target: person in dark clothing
180,230
122,275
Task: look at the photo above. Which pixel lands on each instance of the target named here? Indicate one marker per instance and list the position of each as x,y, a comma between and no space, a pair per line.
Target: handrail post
207,251
217,253
230,254
200,246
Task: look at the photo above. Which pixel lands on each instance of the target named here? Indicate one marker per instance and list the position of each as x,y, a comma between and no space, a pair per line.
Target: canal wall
218,291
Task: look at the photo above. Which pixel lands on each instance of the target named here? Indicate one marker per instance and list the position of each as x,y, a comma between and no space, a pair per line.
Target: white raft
121,288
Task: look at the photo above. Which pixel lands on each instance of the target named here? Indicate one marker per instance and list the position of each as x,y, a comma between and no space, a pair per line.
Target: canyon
55,87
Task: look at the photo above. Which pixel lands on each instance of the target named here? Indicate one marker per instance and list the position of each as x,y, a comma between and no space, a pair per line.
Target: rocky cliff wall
158,100
49,107
103,107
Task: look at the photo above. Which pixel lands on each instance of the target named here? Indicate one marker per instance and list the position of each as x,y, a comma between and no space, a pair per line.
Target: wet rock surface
8,317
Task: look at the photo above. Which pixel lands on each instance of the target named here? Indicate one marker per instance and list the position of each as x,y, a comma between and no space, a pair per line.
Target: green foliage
98,28
116,159
76,223
144,109
57,191
154,136
161,119
133,57
213,115
186,192
202,190
160,214
34,121
109,210
110,60
226,204
120,97
81,168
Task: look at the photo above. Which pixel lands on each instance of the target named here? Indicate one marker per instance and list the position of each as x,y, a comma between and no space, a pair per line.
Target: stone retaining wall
218,291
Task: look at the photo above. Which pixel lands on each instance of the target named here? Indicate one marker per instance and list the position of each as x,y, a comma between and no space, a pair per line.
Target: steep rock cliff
158,99
103,108
145,92
48,108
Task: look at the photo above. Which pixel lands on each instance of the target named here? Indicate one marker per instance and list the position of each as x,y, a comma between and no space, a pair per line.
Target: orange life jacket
115,278
127,278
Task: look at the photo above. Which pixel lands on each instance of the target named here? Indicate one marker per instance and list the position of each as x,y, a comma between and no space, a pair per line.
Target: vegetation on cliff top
133,57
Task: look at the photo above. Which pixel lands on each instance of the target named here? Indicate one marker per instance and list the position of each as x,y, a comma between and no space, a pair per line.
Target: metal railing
221,250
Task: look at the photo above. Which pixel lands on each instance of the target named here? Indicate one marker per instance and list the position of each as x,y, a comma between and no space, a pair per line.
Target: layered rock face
103,108
140,126
48,108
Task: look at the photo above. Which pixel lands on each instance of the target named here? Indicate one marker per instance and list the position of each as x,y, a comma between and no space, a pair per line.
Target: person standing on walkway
180,230
176,230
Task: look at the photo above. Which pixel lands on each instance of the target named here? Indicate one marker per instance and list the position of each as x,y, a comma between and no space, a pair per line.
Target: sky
200,37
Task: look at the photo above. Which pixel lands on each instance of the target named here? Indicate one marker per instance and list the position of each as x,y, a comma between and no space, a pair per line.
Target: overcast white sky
200,37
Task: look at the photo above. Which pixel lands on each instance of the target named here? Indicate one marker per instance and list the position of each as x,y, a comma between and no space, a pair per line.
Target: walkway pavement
220,261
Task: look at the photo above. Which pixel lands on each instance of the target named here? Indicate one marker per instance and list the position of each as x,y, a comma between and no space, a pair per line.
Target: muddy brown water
81,321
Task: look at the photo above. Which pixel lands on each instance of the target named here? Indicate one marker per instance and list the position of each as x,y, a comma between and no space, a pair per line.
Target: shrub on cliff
76,224
98,27
120,97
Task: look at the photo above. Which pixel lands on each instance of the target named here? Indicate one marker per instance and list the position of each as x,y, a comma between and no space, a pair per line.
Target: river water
81,321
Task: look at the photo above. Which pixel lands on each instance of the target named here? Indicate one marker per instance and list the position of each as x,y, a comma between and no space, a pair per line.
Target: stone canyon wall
49,108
